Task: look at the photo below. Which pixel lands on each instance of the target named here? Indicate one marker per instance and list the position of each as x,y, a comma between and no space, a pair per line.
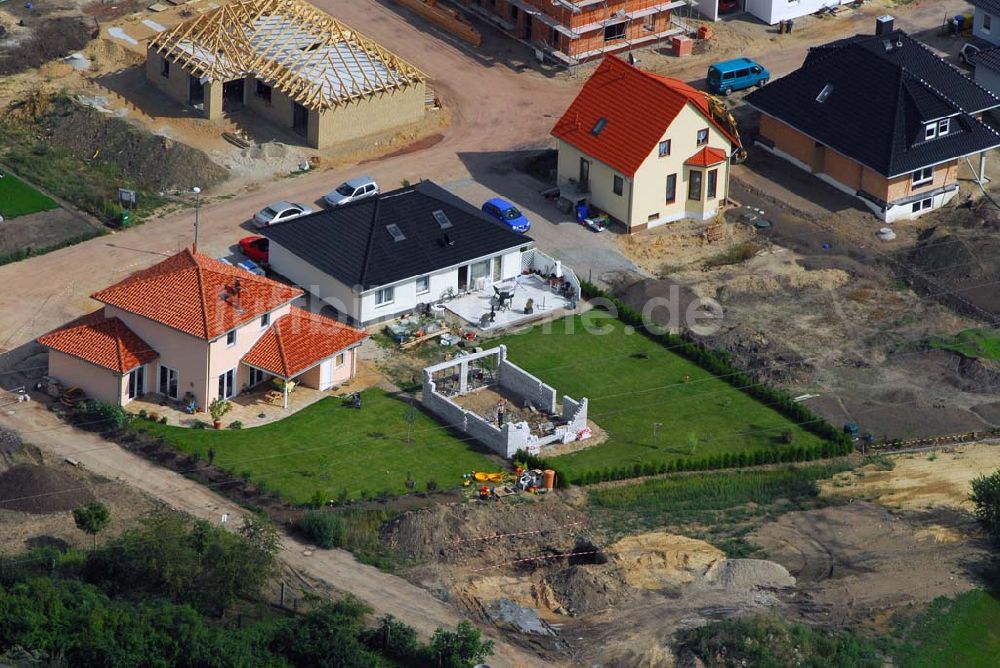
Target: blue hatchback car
506,213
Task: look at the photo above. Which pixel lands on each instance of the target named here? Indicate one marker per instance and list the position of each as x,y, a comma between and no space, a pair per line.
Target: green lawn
962,631
984,343
328,447
633,382
17,198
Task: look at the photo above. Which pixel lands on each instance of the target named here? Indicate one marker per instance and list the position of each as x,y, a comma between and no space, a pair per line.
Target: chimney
236,294
884,25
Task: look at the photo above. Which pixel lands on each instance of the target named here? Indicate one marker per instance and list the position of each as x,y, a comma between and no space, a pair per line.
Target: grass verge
961,631
336,451
17,198
983,343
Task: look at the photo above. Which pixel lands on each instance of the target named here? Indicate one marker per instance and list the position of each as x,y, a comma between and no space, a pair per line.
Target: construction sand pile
659,560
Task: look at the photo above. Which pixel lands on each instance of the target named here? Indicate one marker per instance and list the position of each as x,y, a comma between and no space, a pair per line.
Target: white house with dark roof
880,117
383,256
986,20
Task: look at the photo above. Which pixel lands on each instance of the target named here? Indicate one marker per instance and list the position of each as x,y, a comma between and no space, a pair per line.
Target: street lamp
197,206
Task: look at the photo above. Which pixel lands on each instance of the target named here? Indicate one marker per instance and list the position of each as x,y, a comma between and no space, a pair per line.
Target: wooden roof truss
314,59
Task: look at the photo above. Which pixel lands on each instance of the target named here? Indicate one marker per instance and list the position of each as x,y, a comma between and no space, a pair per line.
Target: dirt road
385,593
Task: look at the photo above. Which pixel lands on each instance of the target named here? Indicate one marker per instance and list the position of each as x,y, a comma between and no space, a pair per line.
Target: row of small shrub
723,461
718,363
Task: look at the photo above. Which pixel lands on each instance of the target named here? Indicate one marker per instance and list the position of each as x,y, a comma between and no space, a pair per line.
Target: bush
163,420
318,499
431,486
986,499
323,528
235,424
102,415
199,424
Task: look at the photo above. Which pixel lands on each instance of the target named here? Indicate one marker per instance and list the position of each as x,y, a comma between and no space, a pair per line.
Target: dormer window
943,127
930,131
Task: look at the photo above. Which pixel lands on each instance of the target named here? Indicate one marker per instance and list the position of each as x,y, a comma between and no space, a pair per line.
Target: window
265,320
231,338
944,127
825,93
497,269
167,385
227,383
165,68
263,91
923,176
423,284
614,31
930,131
710,184
395,232
598,126
664,148
619,185
256,377
440,216
384,296
137,382
694,186
702,136
671,188
338,361
923,204
987,22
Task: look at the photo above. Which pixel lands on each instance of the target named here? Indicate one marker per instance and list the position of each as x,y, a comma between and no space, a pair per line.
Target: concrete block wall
575,413
517,380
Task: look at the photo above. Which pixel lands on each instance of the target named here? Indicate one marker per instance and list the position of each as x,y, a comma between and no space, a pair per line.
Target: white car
351,191
246,265
280,212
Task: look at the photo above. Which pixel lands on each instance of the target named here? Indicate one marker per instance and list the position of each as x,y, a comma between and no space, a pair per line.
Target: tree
986,497
460,649
92,518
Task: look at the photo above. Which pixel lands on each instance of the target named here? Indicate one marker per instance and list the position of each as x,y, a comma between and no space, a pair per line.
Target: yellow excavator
720,112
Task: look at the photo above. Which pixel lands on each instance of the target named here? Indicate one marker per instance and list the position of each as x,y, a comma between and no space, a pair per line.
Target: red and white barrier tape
519,533
547,556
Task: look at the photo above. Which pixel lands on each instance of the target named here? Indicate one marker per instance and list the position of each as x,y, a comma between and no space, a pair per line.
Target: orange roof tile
106,342
706,157
298,341
638,107
195,294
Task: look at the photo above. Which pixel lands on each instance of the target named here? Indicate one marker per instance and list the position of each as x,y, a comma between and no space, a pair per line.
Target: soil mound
155,163
661,560
484,534
588,588
53,37
41,489
749,574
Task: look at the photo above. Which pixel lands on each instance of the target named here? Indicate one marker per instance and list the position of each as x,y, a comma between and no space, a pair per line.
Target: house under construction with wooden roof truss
573,31
290,63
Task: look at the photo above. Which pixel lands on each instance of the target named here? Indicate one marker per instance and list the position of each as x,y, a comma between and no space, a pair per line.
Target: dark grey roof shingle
991,6
882,96
352,244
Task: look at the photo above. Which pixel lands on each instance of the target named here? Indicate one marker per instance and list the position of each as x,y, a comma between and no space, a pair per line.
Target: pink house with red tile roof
192,326
643,148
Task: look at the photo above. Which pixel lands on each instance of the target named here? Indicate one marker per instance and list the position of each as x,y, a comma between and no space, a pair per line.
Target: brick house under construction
289,63
573,31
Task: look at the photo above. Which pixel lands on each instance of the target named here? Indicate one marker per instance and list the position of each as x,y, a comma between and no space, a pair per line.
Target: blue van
737,74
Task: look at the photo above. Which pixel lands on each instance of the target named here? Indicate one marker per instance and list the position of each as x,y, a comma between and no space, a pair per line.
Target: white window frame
136,382
930,131
265,320
427,284
231,338
987,22
256,377
618,185
943,127
702,137
339,360
229,385
664,148
922,176
384,296
922,204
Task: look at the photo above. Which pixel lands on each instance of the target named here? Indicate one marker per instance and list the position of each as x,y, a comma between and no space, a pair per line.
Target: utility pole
197,206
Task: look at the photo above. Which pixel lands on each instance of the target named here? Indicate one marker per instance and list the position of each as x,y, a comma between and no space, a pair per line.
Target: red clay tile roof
106,342
298,341
638,107
194,293
706,157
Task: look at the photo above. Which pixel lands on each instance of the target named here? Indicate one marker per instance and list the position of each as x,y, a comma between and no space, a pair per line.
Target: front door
196,91
326,375
137,382
167,385
584,174
463,278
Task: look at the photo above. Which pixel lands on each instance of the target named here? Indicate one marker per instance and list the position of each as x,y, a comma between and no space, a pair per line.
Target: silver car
280,212
351,191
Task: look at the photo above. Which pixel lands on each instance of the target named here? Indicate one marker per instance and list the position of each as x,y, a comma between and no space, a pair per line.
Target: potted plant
218,408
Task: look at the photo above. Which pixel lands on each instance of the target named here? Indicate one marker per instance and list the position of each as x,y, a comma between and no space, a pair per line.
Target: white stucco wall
993,36
707,8
223,357
772,11
96,382
314,281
